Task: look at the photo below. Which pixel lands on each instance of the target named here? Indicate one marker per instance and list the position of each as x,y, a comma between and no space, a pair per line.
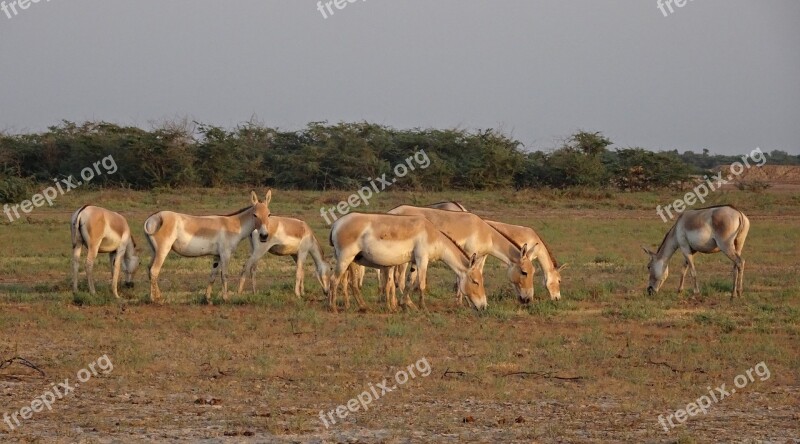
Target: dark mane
513,242
718,206
456,244
549,252
458,204
664,241
235,213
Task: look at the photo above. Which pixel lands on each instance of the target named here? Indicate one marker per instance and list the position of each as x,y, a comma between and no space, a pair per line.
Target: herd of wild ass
406,235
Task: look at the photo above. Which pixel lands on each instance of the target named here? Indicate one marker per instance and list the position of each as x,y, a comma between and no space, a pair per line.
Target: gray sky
716,74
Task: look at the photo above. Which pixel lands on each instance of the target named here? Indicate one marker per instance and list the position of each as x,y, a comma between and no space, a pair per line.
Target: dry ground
599,366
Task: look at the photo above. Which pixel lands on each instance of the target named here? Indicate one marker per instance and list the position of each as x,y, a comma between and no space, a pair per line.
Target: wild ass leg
339,271
116,265
683,274
299,275
256,253
740,285
400,277
381,275
248,269
225,259
76,265
738,269
693,271
422,274
411,279
159,255
346,278
387,289
362,306
91,256
214,272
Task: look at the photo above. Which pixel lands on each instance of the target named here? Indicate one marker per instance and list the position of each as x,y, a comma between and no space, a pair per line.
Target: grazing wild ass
102,231
195,236
522,235
707,230
384,240
475,236
288,237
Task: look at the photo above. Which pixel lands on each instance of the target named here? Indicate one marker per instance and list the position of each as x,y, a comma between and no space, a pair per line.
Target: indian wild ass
383,240
523,235
102,231
475,236
707,230
195,236
288,237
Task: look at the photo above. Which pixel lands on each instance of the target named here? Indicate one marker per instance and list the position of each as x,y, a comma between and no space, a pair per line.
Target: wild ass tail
151,227
741,234
152,224
76,227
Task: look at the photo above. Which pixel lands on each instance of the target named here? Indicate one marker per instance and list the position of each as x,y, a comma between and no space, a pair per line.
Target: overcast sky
716,74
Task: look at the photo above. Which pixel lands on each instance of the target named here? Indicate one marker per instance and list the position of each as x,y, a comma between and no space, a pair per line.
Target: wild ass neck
503,248
452,255
669,245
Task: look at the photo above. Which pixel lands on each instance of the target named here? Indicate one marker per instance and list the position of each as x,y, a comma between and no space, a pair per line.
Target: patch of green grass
717,319
82,299
395,328
635,310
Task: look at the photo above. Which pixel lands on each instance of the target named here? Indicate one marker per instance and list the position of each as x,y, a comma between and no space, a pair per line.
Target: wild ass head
261,213
552,281
130,262
521,272
659,270
471,284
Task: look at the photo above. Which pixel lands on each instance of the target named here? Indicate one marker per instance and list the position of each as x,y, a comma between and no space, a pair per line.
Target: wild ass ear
563,266
268,197
253,197
473,260
528,253
648,251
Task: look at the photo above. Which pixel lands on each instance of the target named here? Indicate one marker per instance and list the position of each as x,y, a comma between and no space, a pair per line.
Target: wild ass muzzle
196,236
102,231
706,230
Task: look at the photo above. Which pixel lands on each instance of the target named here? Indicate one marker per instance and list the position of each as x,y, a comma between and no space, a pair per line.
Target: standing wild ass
522,235
102,231
707,230
384,240
475,236
195,236
288,237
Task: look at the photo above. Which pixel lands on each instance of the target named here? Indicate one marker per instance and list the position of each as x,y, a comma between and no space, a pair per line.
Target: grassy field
600,365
